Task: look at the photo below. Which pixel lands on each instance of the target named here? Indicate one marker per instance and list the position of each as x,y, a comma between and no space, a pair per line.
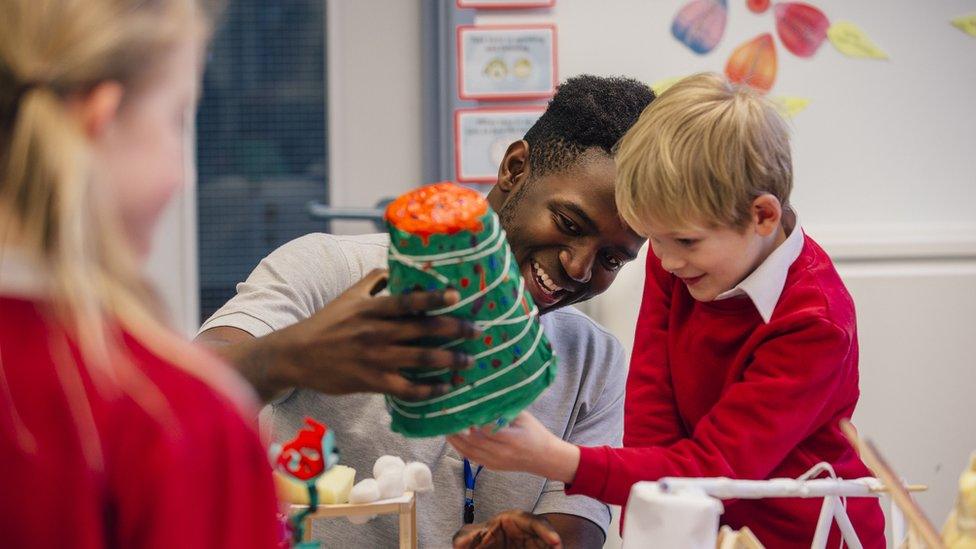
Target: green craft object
470,253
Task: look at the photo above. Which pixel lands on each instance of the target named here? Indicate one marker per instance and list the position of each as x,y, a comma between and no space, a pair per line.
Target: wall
172,265
882,142
374,59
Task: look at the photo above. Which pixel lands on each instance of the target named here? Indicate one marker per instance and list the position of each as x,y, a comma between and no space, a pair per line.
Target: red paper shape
757,6
754,63
302,457
802,28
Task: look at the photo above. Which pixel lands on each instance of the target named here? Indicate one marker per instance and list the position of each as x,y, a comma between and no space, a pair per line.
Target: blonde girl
113,431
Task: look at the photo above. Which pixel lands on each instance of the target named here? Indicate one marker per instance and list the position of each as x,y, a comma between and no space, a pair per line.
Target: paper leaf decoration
757,6
664,84
851,41
700,24
754,63
966,23
791,106
802,28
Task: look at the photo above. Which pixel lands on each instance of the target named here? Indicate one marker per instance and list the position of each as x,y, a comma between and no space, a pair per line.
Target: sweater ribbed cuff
591,475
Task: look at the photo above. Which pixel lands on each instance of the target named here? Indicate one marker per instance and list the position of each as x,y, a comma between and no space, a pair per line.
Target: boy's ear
767,212
514,168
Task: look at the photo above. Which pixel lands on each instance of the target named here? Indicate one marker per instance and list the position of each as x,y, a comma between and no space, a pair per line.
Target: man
555,198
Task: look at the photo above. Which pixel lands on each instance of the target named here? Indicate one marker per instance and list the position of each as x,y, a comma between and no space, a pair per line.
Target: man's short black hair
587,111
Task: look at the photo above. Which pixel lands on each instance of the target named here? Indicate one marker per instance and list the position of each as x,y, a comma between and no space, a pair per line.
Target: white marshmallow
365,491
417,477
387,463
391,484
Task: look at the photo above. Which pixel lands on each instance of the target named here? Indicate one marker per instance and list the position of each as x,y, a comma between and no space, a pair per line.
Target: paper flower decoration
754,63
802,28
851,41
757,6
966,23
700,24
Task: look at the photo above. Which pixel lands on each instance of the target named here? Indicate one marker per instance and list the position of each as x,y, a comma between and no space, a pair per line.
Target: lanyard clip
468,511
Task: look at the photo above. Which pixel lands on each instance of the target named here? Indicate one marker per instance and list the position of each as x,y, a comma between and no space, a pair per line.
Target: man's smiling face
563,227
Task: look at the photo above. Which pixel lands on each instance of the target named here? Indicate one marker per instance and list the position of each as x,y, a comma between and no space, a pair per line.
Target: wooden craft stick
879,466
907,487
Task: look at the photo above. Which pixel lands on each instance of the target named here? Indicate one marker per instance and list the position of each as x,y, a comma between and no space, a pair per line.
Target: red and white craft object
685,511
309,454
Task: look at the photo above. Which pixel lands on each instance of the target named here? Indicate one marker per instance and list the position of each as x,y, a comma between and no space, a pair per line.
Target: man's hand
509,529
356,343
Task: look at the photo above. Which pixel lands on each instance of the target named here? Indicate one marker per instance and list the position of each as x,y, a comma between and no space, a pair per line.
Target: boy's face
710,260
564,229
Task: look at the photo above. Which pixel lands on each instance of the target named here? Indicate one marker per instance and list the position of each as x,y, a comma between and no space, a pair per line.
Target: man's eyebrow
584,217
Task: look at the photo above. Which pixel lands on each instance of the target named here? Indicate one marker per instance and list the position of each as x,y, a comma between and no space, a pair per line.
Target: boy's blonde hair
51,209
700,154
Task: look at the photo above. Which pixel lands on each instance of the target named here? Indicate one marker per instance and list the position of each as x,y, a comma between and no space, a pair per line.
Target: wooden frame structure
405,506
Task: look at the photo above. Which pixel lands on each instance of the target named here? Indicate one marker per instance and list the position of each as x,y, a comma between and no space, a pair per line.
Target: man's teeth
547,284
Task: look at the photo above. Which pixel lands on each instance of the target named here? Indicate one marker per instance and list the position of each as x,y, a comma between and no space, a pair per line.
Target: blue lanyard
470,478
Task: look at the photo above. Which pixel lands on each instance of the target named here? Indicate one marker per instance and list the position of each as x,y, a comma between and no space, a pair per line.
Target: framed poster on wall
504,4
501,63
481,137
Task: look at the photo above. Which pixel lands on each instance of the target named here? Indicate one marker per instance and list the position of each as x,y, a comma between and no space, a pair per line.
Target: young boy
745,356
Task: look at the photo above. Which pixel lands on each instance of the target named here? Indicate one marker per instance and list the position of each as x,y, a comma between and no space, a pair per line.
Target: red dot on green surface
491,305
488,340
465,282
457,379
495,363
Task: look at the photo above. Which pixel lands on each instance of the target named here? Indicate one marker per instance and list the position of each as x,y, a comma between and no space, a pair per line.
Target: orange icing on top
441,208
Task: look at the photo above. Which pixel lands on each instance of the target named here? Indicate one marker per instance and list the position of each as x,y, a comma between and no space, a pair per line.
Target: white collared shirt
765,284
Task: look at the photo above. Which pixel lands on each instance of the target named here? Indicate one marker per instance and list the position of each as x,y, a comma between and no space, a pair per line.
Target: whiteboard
884,146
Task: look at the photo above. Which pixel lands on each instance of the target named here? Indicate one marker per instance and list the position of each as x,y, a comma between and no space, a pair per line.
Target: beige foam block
333,487
335,484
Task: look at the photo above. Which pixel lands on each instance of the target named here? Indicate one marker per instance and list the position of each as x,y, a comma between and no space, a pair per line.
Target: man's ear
767,212
97,108
514,169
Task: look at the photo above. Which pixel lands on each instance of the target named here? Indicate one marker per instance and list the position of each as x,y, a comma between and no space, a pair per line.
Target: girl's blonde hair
50,208
700,154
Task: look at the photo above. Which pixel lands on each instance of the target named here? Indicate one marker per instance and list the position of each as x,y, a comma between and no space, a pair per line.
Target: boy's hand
524,445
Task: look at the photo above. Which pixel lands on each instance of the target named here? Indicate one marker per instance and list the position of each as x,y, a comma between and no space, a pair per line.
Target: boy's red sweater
713,391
